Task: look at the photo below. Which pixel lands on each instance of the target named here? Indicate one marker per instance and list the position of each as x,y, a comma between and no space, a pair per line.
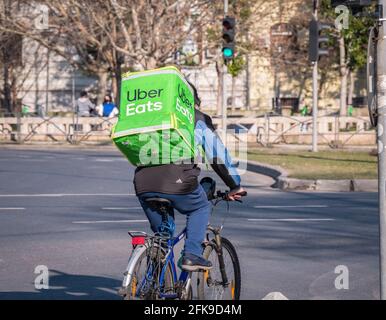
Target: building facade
270,80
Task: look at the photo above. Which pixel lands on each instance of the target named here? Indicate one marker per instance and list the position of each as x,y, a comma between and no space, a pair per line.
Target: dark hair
107,95
83,93
197,99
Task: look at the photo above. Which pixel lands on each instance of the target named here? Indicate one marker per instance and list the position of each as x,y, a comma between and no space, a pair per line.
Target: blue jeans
194,205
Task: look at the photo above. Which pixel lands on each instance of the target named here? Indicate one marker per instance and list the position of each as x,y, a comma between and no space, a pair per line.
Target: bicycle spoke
213,286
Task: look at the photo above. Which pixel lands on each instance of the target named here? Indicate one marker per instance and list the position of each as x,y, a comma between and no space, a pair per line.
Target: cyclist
179,184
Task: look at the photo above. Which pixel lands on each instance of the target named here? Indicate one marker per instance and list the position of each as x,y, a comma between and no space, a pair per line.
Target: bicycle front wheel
211,283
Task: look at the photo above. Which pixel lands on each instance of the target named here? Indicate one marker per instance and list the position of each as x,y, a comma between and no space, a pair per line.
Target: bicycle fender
131,265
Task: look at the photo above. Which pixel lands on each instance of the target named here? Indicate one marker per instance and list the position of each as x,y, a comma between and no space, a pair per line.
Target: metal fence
266,130
73,129
335,131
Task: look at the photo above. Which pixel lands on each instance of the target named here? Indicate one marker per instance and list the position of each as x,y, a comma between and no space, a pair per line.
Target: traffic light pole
381,132
315,95
224,96
315,107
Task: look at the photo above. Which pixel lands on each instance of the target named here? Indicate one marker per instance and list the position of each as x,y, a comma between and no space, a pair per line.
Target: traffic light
316,40
228,35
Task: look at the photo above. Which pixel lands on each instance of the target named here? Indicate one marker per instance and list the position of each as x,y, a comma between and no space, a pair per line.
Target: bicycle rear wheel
140,288
210,283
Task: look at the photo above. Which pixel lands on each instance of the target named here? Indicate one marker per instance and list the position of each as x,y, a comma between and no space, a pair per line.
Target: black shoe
191,262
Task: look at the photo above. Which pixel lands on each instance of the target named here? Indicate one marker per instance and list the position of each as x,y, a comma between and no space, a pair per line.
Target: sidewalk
305,147
64,146
283,182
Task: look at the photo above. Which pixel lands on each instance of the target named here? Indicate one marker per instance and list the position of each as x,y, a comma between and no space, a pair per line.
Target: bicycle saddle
158,203
165,208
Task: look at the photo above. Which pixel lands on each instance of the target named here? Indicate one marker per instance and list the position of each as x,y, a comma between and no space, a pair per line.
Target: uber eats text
138,94
134,107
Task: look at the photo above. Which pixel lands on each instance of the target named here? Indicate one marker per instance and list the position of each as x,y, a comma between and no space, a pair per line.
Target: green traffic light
227,52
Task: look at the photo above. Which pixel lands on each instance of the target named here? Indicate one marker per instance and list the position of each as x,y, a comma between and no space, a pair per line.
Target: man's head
83,94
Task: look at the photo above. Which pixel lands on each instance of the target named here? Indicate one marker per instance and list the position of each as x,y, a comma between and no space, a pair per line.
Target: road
70,210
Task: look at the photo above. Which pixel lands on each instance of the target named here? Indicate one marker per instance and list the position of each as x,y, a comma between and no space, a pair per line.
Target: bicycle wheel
210,282
140,288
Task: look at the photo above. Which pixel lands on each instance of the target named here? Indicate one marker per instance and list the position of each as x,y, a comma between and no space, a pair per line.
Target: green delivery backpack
156,119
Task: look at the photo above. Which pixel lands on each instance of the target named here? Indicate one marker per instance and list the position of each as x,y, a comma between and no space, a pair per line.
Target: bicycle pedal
122,291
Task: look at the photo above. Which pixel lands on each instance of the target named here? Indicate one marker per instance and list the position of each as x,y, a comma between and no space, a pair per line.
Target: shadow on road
64,286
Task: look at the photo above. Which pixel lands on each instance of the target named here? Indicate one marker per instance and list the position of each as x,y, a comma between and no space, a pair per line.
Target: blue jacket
107,108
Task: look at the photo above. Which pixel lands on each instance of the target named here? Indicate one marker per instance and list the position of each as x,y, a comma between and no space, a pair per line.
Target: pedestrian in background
84,107
107,108
350,111
304,111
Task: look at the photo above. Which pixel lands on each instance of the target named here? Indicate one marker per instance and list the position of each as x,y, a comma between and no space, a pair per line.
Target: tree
246,12
351,43
101,36
10,61
71,34
234,68
152,31
14,69
357,38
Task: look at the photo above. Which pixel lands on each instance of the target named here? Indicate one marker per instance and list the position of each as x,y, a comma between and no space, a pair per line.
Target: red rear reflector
137,240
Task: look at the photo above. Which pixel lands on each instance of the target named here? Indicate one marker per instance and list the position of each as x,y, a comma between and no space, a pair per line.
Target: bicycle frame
185,276
169,260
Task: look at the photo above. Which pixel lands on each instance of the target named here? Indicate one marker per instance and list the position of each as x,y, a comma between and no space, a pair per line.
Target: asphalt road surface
70,210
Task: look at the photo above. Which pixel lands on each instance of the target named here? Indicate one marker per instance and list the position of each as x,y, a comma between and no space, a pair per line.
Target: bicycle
152,273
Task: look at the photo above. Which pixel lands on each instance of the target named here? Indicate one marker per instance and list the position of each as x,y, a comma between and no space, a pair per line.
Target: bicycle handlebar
224,195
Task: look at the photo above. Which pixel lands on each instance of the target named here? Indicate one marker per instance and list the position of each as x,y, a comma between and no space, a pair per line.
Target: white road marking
76,294
298,206
109,159
12,208
131,208
292,219
275,296
109,221
107,290
67,195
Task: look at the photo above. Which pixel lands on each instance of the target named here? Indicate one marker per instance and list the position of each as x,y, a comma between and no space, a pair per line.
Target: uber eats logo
136,105
138,94
183,97
184,105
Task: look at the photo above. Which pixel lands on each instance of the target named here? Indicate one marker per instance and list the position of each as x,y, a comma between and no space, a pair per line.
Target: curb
282,181
275,172
63,146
